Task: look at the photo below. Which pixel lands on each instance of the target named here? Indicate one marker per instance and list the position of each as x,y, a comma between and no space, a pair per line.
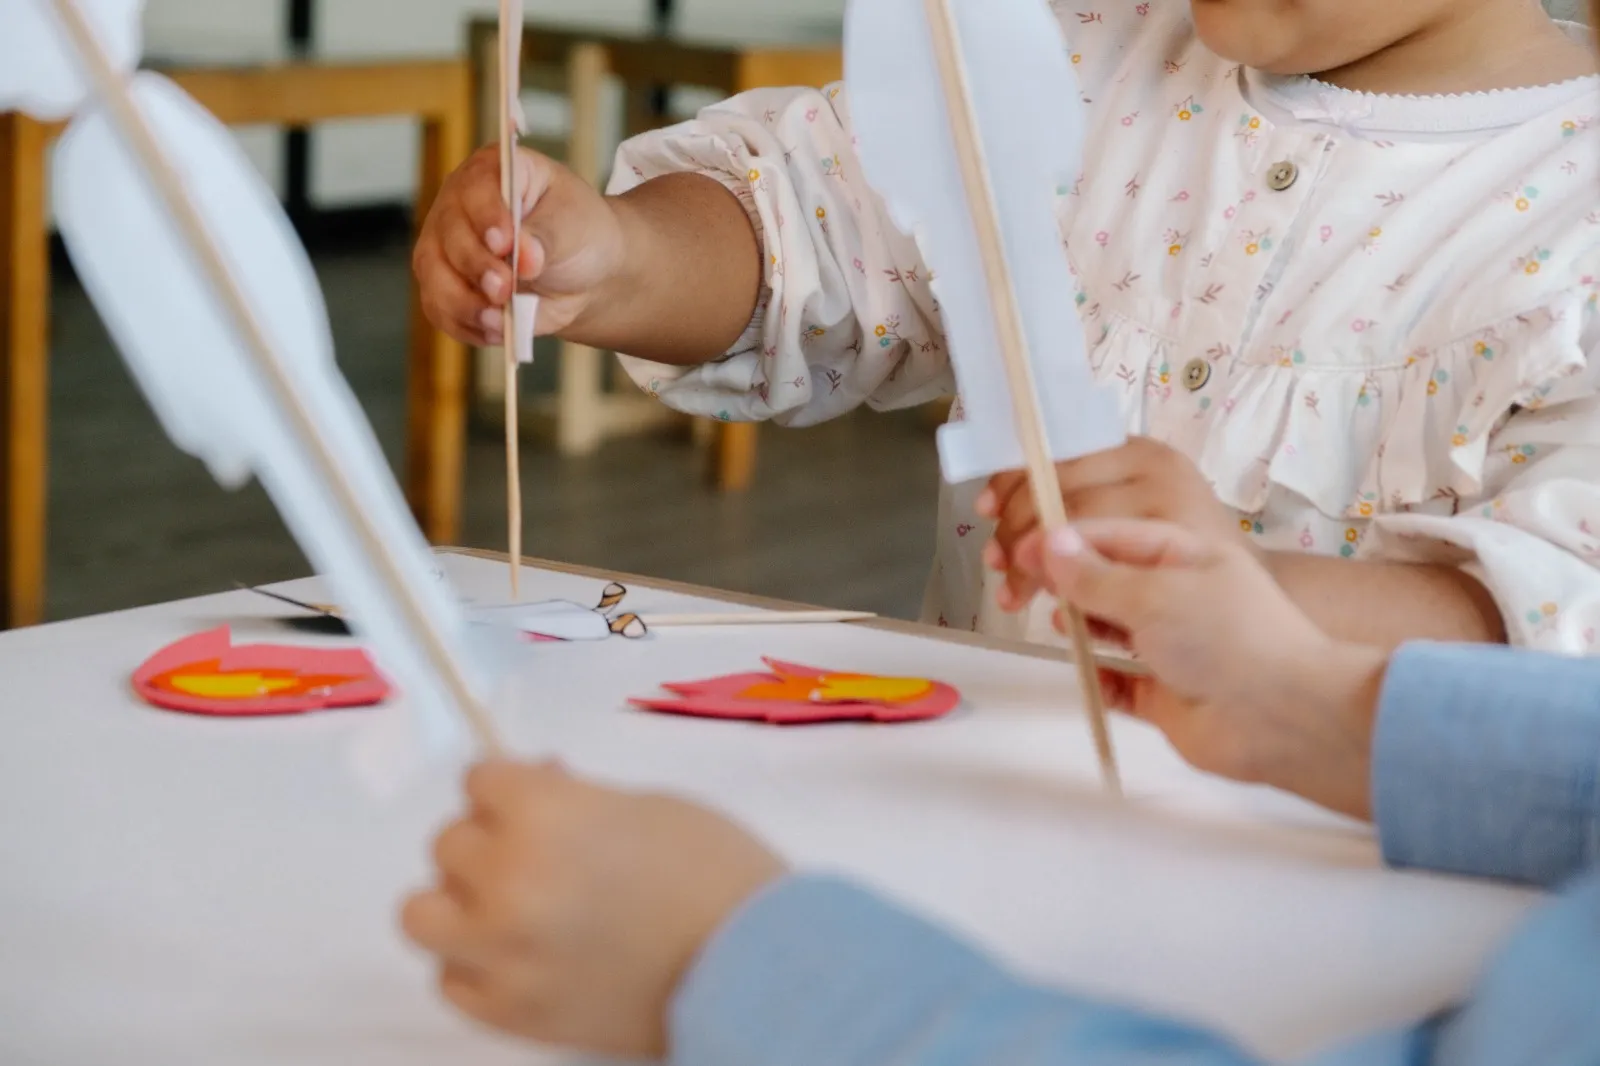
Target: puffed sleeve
1532,533
846,315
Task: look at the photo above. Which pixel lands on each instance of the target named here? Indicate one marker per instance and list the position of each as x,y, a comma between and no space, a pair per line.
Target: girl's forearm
691,277
1388,604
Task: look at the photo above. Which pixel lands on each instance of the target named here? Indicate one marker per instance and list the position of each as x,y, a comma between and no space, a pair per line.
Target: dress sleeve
1534,539
846,314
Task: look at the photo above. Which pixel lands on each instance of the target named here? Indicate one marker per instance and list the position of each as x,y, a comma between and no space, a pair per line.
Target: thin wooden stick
1014,346
753,618
509,76
169,184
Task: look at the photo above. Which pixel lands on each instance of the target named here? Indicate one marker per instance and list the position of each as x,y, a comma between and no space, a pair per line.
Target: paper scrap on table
795,695
207,674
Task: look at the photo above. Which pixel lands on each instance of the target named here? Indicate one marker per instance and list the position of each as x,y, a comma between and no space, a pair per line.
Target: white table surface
179,890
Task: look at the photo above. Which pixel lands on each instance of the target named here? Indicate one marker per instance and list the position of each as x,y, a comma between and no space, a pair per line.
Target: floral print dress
1369,320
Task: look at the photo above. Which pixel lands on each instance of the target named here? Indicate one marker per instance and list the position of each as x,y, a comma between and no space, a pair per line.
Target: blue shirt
1484,763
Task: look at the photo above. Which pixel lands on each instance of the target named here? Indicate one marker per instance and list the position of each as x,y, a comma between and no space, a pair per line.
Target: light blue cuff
1486,762
817,972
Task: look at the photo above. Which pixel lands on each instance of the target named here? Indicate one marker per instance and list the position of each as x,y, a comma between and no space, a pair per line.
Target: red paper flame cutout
206,674
795,695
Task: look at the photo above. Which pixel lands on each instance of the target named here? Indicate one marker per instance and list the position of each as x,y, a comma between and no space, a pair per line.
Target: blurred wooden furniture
577,62
438,93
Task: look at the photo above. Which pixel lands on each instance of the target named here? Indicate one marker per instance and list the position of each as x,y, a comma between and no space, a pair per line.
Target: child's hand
568,913
572,245
1142,479
1244,684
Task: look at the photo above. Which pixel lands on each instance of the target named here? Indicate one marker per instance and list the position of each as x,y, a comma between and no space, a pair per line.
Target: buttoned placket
1281,171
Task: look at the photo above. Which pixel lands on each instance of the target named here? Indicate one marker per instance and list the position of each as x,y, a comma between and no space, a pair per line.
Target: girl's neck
1495,44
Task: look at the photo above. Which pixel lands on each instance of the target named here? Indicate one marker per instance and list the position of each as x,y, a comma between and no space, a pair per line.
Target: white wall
223,31
364,161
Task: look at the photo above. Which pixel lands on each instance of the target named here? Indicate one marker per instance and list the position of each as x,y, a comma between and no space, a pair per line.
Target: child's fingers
436,924
1131,462
461,852
503,792
466,249
1019,590
1123,500
1143,543
1123,595
456,308
531,260
992,501
1015,520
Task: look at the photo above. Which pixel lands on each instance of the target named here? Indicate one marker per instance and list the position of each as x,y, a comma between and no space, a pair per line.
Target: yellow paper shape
840,688
241,686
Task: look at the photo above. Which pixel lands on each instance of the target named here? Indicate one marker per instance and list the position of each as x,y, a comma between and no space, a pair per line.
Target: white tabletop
179,890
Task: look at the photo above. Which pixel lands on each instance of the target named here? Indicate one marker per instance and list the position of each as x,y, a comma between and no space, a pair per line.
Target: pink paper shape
720,697
337,677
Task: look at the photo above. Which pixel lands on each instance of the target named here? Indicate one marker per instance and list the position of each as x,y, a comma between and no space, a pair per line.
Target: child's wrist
1330,695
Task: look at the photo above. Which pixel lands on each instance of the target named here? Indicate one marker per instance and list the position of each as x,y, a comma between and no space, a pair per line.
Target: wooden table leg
24,375
437,397
734,456
579,418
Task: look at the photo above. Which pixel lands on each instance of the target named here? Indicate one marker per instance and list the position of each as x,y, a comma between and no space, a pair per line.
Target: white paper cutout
524,321
40,73
1031,125
189,355
563,620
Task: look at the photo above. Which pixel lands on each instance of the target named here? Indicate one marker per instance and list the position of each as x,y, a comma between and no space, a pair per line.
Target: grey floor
841,515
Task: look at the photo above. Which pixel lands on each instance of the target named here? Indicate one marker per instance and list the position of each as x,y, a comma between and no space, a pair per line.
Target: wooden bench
577,63
438,93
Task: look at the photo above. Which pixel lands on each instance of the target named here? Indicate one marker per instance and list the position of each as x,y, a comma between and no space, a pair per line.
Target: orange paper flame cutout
206,674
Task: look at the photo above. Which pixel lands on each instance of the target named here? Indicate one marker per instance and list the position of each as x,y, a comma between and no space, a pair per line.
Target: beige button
1282,175
1195,374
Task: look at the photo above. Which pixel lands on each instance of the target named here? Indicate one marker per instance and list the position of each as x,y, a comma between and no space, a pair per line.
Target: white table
176,890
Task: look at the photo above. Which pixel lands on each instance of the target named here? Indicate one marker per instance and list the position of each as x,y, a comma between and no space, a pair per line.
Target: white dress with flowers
1367,319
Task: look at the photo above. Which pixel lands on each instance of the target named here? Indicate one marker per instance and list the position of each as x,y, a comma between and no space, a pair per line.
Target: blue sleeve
817,972
1486,762
814,972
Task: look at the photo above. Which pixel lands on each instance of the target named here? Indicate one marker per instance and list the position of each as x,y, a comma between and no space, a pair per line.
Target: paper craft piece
559,620
796,695
206,674
40,73
213,303
1031,127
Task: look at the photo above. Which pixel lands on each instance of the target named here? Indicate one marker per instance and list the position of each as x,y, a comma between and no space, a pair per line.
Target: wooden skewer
509,74
1014,346
169,185
753,618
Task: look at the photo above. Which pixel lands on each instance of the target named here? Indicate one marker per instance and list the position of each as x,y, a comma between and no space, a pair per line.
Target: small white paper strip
558,619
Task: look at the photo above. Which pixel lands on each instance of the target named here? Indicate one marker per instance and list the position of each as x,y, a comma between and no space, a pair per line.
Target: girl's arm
1387,604
690,277
810,304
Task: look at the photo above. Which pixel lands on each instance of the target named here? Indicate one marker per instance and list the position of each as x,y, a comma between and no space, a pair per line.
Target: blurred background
841,514
99,512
